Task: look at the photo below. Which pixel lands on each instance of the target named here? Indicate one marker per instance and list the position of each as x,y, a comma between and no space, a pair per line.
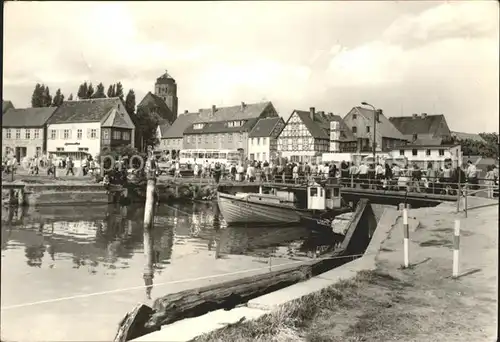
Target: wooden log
133,324
226,295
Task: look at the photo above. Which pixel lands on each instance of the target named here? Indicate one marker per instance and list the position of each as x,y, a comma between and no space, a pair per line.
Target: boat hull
238,211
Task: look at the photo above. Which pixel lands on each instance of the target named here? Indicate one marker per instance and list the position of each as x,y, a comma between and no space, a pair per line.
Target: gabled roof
264,127
6,105
115,119
385,127
241,112
320,126
164,127
409,125
222,127
182,122
91,110
157,102
464,136
27,117
428,141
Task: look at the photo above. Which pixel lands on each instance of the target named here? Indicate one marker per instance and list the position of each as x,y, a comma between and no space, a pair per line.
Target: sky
403,57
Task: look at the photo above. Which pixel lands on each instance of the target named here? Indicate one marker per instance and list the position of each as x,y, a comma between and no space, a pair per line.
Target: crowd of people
387,176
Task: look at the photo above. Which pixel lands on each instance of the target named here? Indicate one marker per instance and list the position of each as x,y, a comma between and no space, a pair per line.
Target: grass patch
373,306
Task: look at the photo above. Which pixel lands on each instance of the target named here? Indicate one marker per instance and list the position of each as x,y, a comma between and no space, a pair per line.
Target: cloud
422,56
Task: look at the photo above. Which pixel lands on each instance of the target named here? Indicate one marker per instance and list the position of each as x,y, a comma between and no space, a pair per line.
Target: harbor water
72,273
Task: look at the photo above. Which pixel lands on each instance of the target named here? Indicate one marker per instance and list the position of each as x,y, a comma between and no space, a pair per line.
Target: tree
111,91
36,98
70,97
99,92
146,125
90,91
119,90
46,98
130,102
58,98
82,91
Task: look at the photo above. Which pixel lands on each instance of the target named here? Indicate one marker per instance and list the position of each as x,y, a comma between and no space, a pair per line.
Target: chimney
213,109
243,106
200,110
424,115
186,111
311,113
415,115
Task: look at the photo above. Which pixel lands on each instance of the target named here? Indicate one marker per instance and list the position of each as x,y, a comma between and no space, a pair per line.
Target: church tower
166,89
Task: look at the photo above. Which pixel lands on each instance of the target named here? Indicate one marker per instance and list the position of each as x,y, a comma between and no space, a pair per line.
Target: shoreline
376,299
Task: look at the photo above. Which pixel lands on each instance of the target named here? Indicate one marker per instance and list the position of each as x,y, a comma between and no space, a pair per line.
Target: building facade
226,127
24,131
423,154
263,139
306,136
423,129
172,138
360,120
89,127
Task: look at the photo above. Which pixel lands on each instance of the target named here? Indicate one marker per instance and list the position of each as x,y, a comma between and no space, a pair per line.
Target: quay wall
385,218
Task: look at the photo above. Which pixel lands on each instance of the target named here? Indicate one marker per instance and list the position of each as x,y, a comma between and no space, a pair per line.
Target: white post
406,238
456,248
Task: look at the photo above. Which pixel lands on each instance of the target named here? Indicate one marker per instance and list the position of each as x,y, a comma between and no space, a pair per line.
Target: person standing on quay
217,173
69,166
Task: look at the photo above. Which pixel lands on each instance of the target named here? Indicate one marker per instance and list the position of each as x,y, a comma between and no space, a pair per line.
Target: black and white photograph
240,171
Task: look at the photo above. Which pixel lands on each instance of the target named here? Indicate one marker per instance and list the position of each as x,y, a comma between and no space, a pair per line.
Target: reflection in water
55,252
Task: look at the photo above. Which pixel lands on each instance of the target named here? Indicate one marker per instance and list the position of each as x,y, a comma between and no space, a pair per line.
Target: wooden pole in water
456,248
406,238
148,226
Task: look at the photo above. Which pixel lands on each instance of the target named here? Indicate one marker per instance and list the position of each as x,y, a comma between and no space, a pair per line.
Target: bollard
465,200
406,232
456,248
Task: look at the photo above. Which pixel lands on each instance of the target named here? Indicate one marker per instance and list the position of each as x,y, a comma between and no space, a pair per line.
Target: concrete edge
184,330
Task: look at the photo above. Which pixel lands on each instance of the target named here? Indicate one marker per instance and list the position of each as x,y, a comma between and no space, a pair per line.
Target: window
7,134
230,124
206,138
264,156
215,138
53,134
117,135
66,134
258,141
83,149
367,129
241,137
354,129
199,139
18,133
37,134
93,133
198,126
79,134
230,137
59,149
354,116
258,156
414,152
401,152
428,152
167,142
126,135
441,152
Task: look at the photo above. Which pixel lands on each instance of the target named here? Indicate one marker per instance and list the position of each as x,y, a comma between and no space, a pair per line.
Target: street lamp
374,127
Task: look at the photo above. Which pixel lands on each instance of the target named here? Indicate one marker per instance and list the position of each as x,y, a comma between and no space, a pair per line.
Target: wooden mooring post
147,228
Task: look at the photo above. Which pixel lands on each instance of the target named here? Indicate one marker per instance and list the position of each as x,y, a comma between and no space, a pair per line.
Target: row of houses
83,127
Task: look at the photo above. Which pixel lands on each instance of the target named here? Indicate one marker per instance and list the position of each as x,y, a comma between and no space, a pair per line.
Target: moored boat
279,207
258,208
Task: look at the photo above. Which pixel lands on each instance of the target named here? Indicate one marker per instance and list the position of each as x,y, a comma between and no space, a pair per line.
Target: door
20,153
